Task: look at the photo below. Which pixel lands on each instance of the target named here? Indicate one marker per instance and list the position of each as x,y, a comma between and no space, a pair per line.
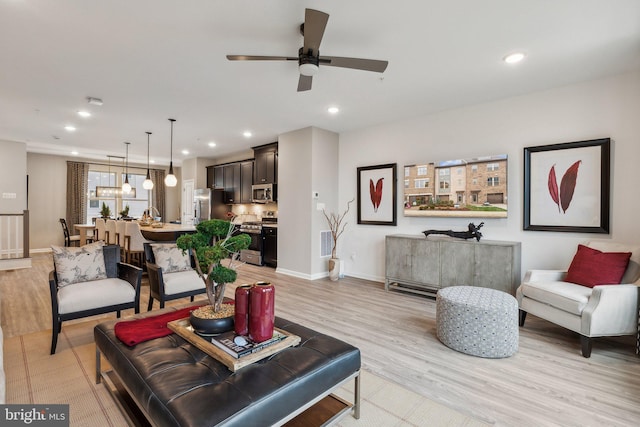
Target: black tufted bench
174,383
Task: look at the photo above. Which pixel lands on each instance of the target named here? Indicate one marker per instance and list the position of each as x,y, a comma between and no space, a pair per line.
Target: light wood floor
547,383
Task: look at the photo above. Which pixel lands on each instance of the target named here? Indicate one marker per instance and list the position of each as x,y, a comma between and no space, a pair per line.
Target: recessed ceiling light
152,161
514,58
75,153
185,152
333,110
247,134
83,113
70,128
212,144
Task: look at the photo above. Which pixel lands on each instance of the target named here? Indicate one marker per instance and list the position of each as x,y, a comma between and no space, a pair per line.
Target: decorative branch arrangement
336,226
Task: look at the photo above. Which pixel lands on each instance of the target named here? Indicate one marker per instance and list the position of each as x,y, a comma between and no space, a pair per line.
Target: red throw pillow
591,267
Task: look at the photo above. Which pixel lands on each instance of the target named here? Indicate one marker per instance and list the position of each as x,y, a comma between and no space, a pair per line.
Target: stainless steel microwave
263,193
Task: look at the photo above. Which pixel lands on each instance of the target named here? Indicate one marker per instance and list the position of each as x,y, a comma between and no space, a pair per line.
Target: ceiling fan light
308,69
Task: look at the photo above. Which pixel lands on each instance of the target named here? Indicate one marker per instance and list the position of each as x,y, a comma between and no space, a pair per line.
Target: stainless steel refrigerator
209,204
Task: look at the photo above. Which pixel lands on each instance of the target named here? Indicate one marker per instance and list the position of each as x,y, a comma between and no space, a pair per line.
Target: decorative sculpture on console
473,232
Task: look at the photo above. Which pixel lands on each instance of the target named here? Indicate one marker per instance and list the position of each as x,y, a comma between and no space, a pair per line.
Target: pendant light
171,180
126,187
148,184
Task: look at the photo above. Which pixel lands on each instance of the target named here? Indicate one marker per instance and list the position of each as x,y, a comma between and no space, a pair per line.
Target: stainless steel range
252,255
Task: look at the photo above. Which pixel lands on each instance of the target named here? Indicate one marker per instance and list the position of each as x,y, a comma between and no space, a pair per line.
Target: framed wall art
471,187
377,198
566,187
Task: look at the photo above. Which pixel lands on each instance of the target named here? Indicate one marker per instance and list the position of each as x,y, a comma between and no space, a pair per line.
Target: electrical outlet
319,206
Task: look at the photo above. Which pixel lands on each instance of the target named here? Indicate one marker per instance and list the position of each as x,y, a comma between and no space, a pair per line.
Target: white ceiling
150,60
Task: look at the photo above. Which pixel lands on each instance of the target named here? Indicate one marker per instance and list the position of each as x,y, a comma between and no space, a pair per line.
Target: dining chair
121,231
134,244
69,240
110,232
100,229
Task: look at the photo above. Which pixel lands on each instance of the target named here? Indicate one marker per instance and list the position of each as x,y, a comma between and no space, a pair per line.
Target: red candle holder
241,317
261,311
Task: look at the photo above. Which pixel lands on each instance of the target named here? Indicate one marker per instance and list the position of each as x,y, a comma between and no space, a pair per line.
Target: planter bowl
211,326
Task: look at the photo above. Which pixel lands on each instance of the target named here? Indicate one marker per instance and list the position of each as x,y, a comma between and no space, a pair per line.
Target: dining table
83,229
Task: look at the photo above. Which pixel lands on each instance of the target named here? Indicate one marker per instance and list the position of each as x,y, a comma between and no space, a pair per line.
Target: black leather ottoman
175,384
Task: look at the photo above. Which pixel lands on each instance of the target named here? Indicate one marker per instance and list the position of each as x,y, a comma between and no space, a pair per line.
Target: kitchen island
167,233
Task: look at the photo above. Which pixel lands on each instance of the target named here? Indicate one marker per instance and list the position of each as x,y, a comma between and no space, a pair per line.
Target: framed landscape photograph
471,187
566,187
377,199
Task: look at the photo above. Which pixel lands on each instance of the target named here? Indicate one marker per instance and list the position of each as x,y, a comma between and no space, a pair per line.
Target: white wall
294,210
13,176
603,108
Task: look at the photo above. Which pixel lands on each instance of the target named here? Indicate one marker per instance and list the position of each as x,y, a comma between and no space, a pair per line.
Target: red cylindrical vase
261,311
241,317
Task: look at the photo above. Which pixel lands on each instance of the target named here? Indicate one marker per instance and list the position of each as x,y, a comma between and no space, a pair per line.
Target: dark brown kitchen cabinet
234,178
265,169
232,183
215,177
246,179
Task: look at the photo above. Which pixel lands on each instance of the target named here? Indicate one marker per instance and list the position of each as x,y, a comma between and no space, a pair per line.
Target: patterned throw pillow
170,258
83,264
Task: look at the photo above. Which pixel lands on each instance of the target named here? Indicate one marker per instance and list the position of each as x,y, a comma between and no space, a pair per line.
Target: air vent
326,243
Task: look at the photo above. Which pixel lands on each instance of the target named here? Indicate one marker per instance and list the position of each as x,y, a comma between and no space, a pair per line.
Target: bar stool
134,244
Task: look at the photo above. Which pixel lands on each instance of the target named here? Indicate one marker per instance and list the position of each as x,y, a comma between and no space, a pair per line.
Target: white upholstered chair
100,229
171,273
599,311
134,244
110,232
90,280
121,231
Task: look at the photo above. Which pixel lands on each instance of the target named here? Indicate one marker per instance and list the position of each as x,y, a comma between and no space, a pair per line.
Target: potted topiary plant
337,227
124,213
105,212
214,245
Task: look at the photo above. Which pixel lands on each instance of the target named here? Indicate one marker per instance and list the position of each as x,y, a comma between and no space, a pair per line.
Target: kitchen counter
167,233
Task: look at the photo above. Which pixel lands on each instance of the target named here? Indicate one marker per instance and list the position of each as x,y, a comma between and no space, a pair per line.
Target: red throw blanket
136,331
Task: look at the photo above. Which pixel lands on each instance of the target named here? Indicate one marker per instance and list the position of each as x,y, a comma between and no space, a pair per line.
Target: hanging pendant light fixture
126,187
171,180
148,184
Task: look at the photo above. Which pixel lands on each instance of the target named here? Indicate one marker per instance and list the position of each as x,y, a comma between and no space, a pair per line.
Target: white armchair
604,310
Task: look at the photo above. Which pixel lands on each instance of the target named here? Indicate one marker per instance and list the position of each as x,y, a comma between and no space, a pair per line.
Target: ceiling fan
309,58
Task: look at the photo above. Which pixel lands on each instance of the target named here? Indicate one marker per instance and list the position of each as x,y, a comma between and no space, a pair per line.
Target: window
406,183
493,167
493,181
474,181
407,171
474,197
137,203
422,170
421,183
459,171
474,168
444,185
444,172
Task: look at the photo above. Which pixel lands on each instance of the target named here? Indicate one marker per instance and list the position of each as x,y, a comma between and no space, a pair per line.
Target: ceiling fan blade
314,24
304,83
260,58
355,63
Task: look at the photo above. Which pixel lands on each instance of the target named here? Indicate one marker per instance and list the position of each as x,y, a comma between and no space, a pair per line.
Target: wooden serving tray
183,328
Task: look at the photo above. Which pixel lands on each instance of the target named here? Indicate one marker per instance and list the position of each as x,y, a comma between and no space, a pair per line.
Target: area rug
68,377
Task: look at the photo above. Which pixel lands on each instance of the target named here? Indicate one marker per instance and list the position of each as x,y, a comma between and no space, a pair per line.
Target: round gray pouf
477,321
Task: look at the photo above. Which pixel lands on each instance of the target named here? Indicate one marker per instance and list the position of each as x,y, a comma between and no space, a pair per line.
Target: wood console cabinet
423,265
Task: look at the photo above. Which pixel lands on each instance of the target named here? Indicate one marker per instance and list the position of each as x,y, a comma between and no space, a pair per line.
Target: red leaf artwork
553,186
376,193
568,185
563,197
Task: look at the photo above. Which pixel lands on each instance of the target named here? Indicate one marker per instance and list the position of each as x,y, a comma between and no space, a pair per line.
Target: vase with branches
337,226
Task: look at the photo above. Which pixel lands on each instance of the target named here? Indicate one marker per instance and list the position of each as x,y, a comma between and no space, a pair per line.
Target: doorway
187,202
